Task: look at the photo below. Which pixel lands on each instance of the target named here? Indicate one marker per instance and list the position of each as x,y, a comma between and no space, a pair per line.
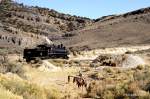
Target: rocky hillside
25,26
40,20
128,29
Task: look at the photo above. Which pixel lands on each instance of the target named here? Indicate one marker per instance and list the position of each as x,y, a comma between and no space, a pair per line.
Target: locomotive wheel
28,60
66,57
53,56
37,60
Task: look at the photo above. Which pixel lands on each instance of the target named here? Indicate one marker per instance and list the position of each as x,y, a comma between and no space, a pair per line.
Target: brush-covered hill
128,29
37,19
24,26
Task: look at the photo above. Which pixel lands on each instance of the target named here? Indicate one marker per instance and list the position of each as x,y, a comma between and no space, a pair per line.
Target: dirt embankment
93,54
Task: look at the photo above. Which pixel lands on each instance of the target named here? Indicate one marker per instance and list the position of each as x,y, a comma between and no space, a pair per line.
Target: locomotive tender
45,51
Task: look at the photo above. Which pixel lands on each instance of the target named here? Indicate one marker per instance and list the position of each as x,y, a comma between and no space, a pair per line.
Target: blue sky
89,8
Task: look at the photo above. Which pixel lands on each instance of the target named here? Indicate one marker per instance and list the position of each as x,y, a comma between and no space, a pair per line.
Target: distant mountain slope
24,26
39,20
128,29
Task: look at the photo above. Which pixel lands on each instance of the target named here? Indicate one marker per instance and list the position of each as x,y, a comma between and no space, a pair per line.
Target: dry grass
59,62
55,81
6,94
13,67
120,84
28,90
108,83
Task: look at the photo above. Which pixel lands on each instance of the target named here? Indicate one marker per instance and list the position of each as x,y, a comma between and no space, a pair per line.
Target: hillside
128,29
24,26
36,19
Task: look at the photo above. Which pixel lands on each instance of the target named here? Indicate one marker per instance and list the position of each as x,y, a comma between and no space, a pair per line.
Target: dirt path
47,66
56,79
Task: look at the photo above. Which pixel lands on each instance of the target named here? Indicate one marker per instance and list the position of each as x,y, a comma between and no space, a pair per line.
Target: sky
89,8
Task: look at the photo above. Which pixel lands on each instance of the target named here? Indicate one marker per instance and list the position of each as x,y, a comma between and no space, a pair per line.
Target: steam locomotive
45,51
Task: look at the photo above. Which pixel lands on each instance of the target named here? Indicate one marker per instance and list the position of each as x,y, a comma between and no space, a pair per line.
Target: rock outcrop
124,60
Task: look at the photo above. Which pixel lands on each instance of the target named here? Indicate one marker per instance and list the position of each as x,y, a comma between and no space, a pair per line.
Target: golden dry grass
6,94
120,83
108,83
27,90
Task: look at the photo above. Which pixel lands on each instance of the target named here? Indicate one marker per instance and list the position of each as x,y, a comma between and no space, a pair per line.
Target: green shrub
109,70
140,67
147,87
16,68
97,76
108,95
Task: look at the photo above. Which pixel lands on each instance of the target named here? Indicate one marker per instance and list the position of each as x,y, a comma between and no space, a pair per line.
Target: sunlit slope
113,31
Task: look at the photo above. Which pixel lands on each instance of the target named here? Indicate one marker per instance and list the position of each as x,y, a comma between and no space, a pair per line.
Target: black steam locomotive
46,51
